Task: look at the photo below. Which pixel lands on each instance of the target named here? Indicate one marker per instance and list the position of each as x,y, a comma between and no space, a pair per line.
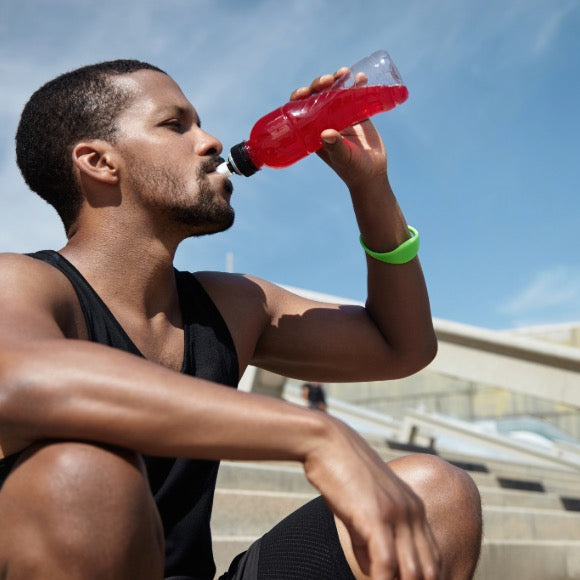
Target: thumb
335,149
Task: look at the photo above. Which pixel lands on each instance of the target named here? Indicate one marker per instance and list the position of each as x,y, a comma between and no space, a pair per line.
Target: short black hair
80,104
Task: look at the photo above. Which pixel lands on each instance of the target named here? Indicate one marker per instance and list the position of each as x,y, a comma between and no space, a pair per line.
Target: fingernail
330,139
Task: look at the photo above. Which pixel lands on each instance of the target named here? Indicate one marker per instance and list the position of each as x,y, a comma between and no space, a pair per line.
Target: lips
212,165
229,186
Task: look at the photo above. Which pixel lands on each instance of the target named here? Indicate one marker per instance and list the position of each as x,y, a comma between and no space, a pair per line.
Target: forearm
397,298
78,390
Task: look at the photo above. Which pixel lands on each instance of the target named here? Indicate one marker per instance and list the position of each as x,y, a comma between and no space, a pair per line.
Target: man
314,395
116,370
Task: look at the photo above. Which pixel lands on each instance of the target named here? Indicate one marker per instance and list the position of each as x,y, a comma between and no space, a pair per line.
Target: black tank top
183,488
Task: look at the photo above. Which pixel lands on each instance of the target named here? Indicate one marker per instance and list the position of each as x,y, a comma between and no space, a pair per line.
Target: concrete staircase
531,522
531,514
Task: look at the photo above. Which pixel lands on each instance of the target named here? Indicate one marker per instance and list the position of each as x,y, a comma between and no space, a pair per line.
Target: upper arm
323,341
36,312
294,336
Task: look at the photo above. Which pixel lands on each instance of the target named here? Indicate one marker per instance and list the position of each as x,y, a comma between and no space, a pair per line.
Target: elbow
428,351
416,356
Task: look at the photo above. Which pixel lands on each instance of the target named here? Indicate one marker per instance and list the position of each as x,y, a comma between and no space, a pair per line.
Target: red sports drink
293,130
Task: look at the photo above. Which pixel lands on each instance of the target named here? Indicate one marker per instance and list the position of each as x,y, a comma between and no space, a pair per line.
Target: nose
207,144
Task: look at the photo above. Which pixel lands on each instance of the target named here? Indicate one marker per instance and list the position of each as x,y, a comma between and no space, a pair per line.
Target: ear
96,160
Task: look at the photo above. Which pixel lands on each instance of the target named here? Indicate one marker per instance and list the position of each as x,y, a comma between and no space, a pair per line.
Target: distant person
118,373
314,394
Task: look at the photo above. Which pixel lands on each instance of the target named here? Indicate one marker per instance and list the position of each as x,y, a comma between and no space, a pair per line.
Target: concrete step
510,523
529,560
564,483
290,477
560,483
532,471
252,513
263,476
553,480
558,487
554,484
496,496
493,464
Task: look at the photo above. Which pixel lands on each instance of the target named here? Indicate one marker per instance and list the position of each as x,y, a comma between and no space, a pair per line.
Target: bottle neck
240,162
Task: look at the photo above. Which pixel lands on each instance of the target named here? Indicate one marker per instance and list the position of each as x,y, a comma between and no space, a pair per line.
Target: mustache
211,163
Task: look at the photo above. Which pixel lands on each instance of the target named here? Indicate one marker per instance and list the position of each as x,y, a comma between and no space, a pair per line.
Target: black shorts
303,546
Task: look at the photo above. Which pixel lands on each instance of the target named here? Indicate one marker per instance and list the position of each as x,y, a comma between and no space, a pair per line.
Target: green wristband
401,255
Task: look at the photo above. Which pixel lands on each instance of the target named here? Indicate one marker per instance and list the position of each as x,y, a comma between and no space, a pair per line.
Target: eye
174,125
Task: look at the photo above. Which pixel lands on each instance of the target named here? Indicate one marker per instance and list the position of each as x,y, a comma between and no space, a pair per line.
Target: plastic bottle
292,131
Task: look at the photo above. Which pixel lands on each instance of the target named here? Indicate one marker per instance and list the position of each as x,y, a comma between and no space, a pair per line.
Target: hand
383,516
357,154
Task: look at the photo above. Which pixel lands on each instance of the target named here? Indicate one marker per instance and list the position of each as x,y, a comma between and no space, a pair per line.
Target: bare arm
393,335
53,387
397,300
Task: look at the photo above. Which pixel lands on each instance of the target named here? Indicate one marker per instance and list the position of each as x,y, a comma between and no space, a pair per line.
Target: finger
423,538
300,93
428,552
383,556
360,551
330,137
343,70
336,150
410,566
360,79
322,82
319,84
325,81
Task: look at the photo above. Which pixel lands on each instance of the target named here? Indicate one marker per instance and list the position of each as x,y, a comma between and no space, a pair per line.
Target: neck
129,265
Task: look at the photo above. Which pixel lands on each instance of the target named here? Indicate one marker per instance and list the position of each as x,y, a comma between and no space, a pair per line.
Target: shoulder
253,293
245,305
26,271
32,288
222,285
236,295
272,300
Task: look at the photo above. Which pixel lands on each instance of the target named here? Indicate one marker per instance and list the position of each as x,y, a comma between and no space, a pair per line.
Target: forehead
153,93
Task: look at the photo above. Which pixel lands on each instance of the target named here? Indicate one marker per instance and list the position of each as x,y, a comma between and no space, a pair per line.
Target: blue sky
483,156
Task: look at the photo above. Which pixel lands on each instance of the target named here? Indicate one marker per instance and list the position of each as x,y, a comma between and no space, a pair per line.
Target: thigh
78,510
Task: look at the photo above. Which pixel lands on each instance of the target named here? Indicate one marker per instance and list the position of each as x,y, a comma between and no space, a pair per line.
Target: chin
209,227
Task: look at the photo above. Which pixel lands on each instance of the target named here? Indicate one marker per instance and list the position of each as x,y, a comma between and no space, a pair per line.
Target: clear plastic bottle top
292,131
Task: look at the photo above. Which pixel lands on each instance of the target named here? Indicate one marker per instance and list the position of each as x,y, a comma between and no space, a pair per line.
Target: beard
204,212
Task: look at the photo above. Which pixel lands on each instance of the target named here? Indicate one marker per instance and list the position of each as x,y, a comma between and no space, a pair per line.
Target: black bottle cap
240,160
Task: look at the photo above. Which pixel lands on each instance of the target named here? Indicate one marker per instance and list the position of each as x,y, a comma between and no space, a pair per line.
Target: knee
453,509
83,504
71,476
444,482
